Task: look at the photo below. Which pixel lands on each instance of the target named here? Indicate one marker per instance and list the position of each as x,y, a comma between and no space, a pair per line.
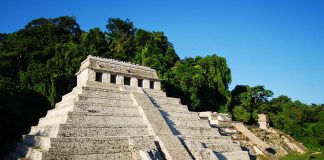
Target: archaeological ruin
118,111
263,121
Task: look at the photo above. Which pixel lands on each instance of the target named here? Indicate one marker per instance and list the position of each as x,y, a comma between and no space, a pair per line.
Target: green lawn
308,156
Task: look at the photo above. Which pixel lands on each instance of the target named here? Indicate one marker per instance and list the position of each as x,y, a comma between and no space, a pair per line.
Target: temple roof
118,67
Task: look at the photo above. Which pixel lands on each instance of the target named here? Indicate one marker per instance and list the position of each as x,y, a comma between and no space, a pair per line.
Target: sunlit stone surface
118,111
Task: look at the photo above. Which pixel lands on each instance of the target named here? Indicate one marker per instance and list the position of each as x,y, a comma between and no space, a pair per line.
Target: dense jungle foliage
38,63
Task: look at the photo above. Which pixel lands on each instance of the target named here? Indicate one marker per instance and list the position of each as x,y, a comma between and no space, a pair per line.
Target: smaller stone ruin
263,121
216,119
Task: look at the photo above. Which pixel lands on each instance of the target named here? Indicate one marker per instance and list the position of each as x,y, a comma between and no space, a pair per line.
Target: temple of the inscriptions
118,111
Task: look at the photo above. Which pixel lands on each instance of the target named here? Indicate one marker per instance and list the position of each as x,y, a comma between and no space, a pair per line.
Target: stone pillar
134,82
157,85
120,79
146,83
263,121
105,77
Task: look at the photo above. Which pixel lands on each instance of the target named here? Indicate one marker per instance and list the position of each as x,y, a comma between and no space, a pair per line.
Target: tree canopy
201,83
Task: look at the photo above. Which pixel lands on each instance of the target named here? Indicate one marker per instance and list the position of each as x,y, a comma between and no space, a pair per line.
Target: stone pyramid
118,111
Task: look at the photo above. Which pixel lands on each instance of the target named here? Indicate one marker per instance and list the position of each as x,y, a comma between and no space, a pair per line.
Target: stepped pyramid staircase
91,122
99,120
202,141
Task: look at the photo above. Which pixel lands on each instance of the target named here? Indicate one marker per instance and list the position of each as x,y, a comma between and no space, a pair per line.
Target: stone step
69,96
28,152
104,108
187,123
97,92
109,86
102,119
155,93
115,89
56,113
199,151
179,108
77,131
64,104
106,97
89,145
212,140
75,91
166,103
77,144
108,101
111,155
120,110
67,156
63,129
174,147
46,130
196,131
167,100
228,147
167,107
182,115
90,104
108,125
59,111
148,90
237,155
100,83
89,117
133,89
91,108
52,120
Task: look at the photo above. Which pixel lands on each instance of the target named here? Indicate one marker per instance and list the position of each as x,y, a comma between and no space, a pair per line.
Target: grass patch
307,156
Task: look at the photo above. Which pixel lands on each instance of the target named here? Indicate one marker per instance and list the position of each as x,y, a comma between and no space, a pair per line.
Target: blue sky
279,44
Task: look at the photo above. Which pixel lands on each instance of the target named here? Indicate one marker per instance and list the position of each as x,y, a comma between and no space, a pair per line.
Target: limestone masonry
118,111
263,121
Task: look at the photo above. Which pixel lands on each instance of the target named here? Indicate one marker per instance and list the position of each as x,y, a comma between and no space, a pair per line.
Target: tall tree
201,82
250,99
259,94
121,38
